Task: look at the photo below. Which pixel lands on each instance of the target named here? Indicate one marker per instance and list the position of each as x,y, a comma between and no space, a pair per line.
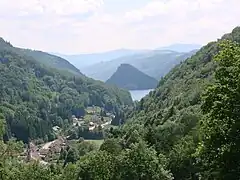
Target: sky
88,26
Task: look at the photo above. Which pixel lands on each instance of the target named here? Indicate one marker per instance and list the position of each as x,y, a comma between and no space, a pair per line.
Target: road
47,145
107,123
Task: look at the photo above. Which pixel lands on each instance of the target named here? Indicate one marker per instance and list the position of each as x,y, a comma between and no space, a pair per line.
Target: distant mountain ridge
153,63
44,58
52,61
86,60
181,47
129,77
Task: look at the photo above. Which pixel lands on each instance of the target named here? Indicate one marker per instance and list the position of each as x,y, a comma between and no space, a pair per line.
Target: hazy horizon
122,49
93,26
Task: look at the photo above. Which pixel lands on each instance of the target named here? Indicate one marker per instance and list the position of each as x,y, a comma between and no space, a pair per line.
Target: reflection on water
139,94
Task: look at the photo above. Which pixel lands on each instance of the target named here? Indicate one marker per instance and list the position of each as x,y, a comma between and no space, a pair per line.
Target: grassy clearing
90,110
106,119
111,126
87,118
97,142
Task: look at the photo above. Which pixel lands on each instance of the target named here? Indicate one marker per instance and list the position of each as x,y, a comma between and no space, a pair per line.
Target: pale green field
106,119
97,142
90,109
87,118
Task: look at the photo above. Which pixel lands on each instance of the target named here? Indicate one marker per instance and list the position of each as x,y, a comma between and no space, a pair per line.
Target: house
91,128
56,128
75,120
43,152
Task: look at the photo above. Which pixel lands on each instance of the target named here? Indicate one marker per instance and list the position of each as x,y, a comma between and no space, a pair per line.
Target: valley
60,119
140,90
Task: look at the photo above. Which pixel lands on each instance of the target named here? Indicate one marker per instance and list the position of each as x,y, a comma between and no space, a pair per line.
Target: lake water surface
137,95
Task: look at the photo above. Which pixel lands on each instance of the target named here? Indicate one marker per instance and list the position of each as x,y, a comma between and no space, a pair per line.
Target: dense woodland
187,128
34,98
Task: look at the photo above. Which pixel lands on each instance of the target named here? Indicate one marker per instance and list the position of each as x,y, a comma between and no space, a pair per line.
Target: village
94,118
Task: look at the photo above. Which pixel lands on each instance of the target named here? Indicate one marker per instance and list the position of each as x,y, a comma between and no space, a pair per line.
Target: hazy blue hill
153,63
129,77
181,47
83,60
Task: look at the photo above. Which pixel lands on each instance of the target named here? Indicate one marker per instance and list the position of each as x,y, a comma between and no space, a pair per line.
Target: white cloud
173,8
71,26
198,21
58,7
68,7
152,9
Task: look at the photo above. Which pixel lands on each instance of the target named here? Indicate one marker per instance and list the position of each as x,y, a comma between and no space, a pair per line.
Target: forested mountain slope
52,61
42,57
34,98
129,77
168,117
180,90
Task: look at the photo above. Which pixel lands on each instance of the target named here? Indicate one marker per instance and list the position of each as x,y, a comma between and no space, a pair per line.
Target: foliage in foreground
137,162
220,146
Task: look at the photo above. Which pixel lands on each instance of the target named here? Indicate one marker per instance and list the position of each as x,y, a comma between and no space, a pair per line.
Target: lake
137,95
